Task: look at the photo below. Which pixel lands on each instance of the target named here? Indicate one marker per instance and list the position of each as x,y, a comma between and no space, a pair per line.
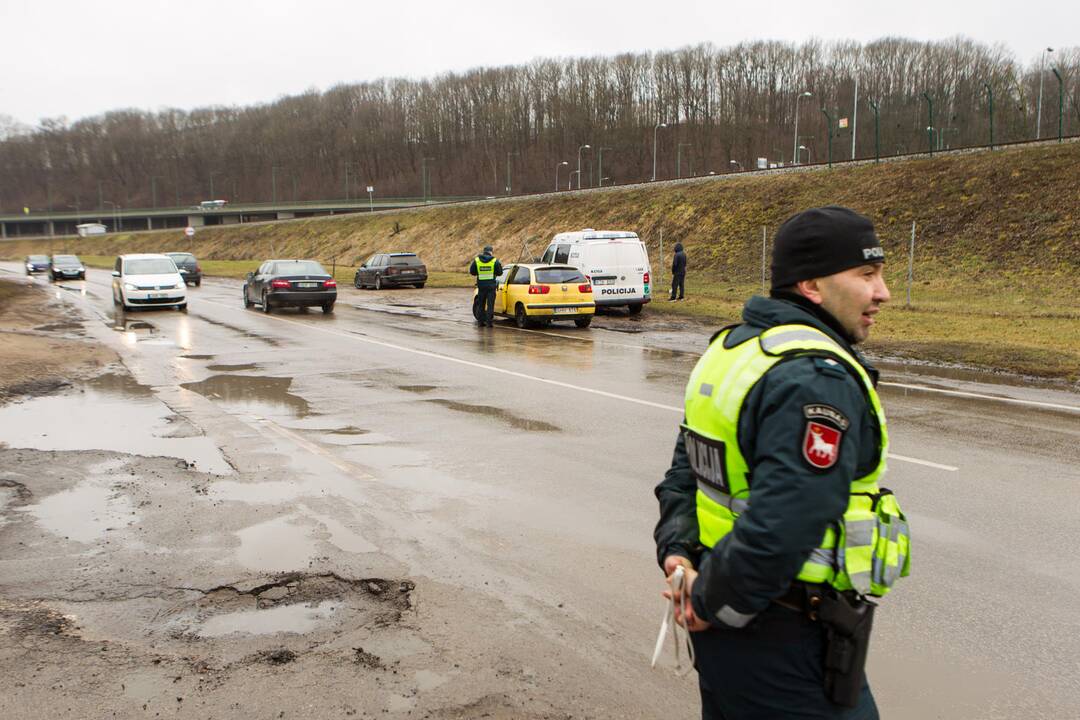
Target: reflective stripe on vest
485,270
865,550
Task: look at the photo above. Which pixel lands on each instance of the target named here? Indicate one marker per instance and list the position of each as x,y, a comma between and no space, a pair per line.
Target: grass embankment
996,263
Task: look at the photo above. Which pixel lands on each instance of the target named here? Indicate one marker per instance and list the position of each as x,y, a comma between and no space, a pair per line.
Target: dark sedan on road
391,270
188,266
36,264
290,283
66,267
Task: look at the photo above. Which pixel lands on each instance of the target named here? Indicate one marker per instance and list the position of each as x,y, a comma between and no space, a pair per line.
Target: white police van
616,262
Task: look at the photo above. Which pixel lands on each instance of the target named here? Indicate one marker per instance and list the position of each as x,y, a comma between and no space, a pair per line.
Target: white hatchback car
148,280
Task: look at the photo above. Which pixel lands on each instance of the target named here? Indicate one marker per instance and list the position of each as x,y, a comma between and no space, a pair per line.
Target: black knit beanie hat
823,241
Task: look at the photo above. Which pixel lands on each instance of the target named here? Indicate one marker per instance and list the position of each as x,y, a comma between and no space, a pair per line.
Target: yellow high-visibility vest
867,549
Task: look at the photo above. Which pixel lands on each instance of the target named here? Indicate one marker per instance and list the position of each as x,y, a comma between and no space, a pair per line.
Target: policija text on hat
772,503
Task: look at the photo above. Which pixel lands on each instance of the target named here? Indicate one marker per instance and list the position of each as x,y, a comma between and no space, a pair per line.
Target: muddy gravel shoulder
42,343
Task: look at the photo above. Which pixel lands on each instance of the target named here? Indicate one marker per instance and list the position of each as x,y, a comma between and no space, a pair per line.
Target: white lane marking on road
980,396
513,373
927,463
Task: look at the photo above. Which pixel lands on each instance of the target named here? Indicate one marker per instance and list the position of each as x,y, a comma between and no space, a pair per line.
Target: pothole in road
267,396
292,604
417,388
233,368
505,416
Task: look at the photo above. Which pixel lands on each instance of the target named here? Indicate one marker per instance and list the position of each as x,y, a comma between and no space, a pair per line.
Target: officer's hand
689,618
684,610
673,561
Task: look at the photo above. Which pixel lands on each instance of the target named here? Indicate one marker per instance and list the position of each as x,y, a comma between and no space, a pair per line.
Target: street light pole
658,126
509,182
1038,113
829,118
678,158
557,174
583,147
795,153
600,170
1061,101
930,127
990,94
809,156
877,135
570,180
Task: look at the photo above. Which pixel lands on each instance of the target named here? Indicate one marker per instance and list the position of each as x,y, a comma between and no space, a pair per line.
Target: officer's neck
816,310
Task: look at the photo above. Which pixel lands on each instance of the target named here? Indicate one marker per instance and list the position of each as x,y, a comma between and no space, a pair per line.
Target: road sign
189,231
843,122
371,188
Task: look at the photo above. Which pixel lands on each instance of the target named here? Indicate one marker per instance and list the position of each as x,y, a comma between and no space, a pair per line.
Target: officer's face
854,297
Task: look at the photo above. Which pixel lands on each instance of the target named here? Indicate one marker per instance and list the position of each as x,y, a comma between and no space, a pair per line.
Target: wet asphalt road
519,465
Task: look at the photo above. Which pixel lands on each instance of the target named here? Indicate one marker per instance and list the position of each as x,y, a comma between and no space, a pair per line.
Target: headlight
129,286
82,269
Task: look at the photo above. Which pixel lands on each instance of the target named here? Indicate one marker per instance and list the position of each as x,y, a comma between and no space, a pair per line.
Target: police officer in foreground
772,503
486,268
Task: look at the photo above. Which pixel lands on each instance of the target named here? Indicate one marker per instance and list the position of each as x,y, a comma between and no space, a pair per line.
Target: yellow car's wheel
583,322
520,318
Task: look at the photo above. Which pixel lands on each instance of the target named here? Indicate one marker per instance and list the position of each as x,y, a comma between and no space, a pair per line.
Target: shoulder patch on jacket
821,445
826,413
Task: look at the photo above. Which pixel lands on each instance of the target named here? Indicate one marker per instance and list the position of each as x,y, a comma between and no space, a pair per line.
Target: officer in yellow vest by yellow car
486,268
773,502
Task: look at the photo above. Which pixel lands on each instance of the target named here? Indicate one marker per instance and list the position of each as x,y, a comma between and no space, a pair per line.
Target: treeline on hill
465,131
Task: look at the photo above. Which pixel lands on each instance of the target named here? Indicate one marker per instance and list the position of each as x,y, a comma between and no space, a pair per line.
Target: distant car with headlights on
391,270
146,280
36,263
188,266
540,293
290,283
66,267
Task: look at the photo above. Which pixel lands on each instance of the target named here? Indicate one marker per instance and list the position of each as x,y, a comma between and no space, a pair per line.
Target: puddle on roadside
296,619
83,514
114,414
119,384
198,357
277,545
505,416
233,368
266,396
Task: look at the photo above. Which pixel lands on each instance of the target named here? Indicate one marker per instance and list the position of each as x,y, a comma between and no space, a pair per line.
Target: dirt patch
38,356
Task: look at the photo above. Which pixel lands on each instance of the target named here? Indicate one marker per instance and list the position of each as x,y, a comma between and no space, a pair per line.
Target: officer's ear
811,290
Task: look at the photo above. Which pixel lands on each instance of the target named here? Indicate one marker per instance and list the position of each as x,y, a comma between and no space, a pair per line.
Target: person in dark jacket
678,274
486,268
759,653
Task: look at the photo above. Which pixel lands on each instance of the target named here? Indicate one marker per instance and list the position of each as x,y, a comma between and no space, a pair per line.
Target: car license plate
307,284
408,272
565,311
157,295
605,281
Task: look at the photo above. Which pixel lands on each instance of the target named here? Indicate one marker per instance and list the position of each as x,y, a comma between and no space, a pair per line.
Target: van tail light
279,283
646,278
198,268
584,288
330,284
539,289
391,271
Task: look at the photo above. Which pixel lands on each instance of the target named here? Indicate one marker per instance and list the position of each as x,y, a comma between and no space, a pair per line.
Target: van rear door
617,269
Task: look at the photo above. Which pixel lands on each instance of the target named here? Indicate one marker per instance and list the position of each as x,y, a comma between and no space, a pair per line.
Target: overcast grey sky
75,58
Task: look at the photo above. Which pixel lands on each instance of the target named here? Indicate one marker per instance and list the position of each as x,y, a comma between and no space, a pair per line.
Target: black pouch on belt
848,621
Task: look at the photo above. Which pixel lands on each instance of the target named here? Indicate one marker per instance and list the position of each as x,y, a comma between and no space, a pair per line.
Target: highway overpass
42,223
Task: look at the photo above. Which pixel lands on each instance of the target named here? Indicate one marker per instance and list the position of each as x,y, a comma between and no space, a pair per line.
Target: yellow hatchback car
538,294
